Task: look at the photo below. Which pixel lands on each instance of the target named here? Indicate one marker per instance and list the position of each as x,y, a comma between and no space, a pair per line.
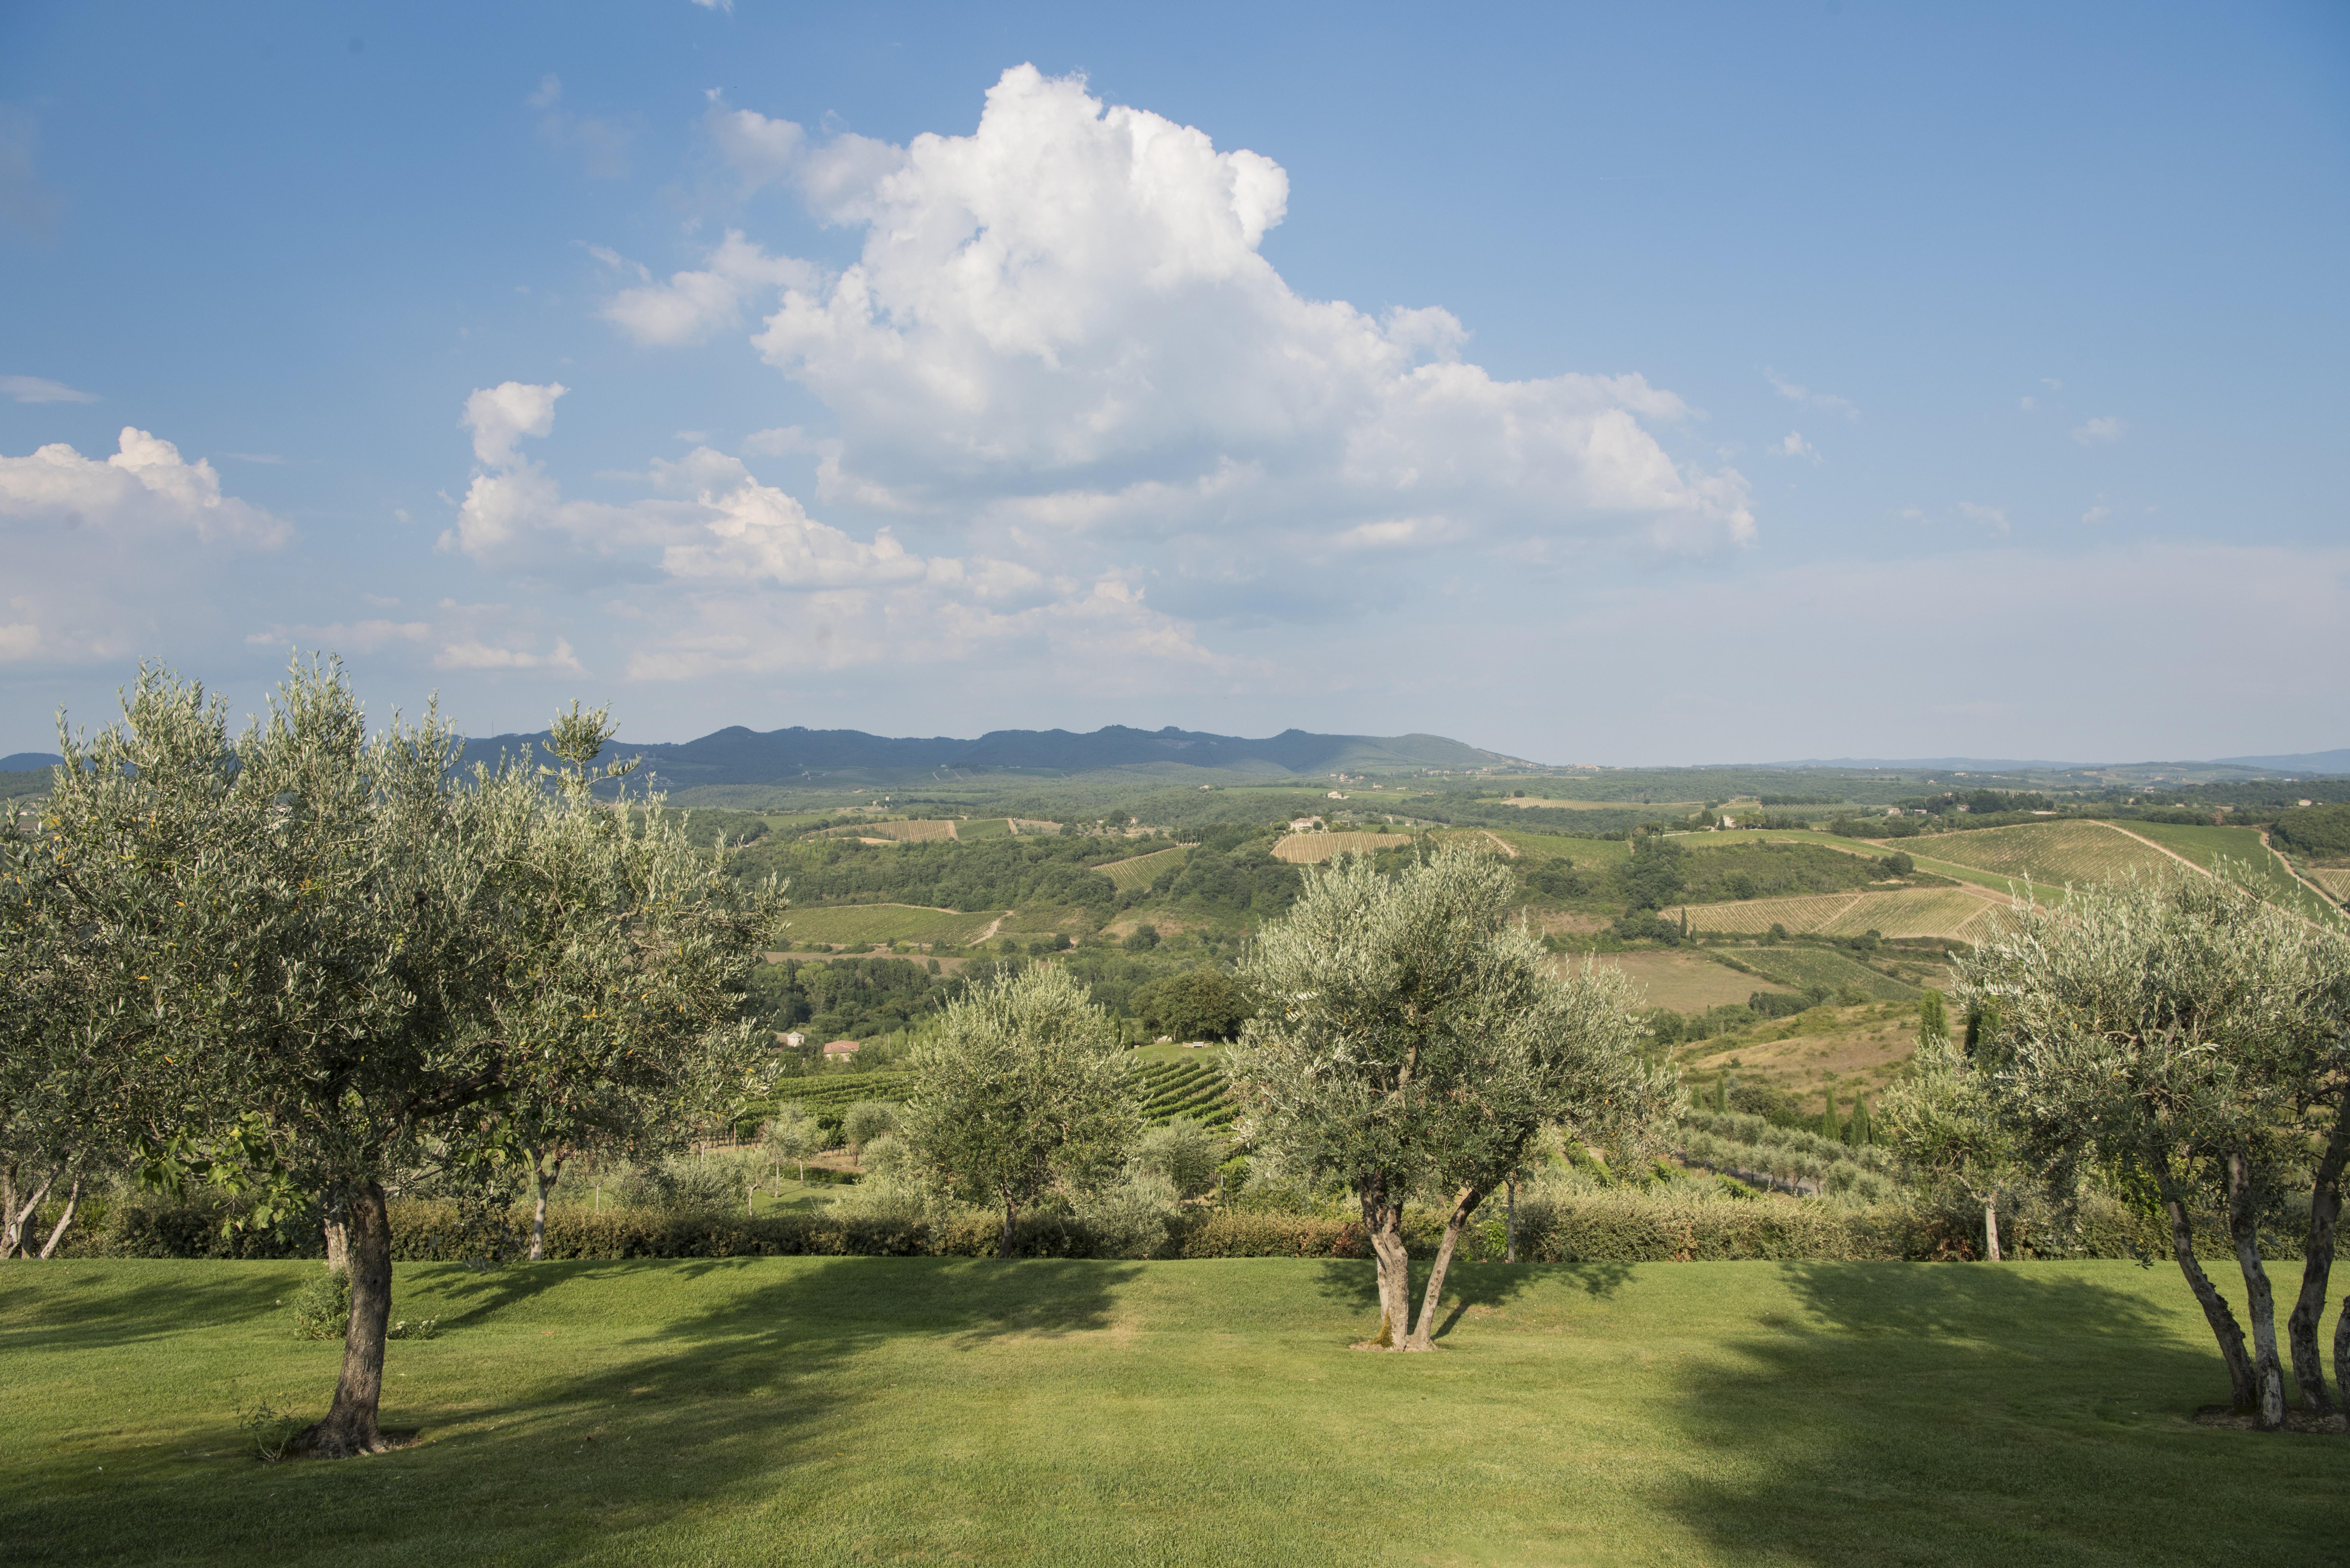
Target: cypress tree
1830,1125
1860,1133
1932,1019
1721,1093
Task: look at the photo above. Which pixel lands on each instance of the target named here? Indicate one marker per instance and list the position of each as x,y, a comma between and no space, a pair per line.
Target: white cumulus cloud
144,486
1071,302
108,558
733,576
692,305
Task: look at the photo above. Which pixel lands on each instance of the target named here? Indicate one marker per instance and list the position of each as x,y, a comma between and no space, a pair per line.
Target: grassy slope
818,1411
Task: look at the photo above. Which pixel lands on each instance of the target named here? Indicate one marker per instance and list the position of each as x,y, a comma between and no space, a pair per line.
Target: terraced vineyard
1312,848
1135,873
1903,912
2056,852
849,924
2333,879
1196,1088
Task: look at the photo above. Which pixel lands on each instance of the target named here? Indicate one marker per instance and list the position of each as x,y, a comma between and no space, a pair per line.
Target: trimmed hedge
1613,1227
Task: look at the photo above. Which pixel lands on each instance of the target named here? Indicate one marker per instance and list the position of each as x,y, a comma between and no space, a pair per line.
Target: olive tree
342,964
2193,1041
792,1134
1019,1089
1946,1120
1411,1040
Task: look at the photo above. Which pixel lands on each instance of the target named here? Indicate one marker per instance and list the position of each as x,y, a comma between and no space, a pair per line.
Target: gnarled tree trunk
1510,1225
350,1424
2316,1268
1384,1223
18,1216
2342,1353
1011,1218
2224,1328
73,1201
1991,1228
1464,1204
2259,1302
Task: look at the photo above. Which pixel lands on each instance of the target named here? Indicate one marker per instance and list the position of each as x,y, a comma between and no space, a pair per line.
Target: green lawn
813,1411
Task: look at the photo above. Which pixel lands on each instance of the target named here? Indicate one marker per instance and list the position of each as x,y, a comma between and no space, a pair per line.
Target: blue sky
1624,384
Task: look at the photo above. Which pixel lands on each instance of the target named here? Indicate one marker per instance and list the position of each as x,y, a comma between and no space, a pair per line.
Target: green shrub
322,1307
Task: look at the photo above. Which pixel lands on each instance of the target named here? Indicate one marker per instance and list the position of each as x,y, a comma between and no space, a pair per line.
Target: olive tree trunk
544,1175
2224,1327
2342,1353
1510,1224
73,1201
1464,1204
1991,1228
1011,1218
2260,1302
2316,1268
1384,1223
350,1425
18,1216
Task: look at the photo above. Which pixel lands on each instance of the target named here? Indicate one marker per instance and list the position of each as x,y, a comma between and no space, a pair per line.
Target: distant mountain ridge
736,755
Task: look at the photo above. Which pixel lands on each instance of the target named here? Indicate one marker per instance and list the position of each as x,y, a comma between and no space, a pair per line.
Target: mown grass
933,1410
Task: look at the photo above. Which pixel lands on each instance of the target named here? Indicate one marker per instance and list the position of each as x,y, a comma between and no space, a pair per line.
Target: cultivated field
1137,871
931,830
821,1411
2206,847
1193,1086
2053,852
1672,805
1684,981
1797,967
1858,1050
2333,879
1312,848
848,923
1896,912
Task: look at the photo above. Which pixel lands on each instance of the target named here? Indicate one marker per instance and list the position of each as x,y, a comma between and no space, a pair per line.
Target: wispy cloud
2104,428
1827,402
40,390
1991,517
1795,445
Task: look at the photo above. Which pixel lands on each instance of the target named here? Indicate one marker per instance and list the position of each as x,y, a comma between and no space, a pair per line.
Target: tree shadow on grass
1967,1413
1467,1285
744,1372
84,1306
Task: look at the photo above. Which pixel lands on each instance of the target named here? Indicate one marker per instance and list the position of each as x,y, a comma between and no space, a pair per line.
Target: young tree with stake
1413,1040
